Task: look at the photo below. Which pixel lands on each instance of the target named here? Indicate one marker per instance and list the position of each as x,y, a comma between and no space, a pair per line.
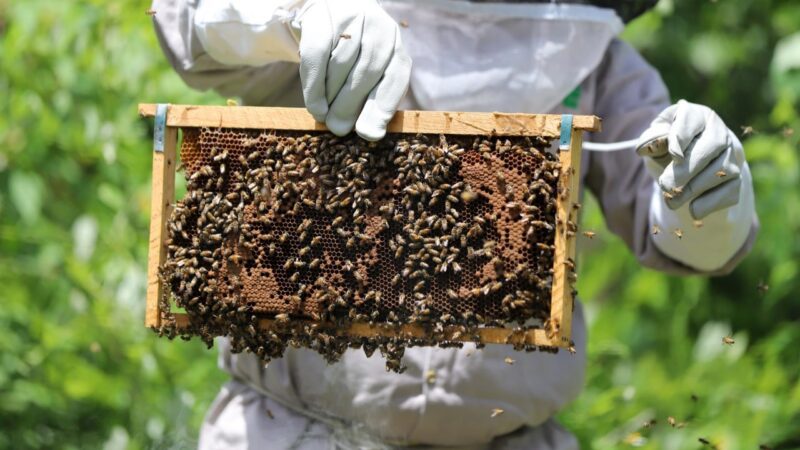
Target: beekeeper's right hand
353,67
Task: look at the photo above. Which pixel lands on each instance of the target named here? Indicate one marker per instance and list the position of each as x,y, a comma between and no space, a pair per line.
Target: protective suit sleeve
275,82
629,95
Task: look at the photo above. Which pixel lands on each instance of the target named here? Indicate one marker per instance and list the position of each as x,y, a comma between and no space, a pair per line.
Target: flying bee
705,442
671,421
496,412
728,340
150,12
721,173
572,349
656,229
698,224
678,233
509,361
589,234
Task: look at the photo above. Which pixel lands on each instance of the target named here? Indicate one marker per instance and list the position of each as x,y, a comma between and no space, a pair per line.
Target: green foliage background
78,370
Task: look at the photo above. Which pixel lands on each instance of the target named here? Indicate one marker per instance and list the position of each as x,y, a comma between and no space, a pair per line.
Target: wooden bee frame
568,128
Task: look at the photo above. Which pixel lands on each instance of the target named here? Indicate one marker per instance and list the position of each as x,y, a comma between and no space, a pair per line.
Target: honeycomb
314,229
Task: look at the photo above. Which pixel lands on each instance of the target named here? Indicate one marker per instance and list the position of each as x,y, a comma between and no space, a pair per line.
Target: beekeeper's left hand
701,173
694,157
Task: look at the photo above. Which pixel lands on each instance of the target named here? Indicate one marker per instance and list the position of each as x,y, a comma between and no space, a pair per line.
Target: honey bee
668,195
509,361
656,229
468,196
231,102
496,412
747,130
430,376
728,340
671,421
150,12
698,223
678,233
762,287
589,234
649,423
572,349
721,173
403,23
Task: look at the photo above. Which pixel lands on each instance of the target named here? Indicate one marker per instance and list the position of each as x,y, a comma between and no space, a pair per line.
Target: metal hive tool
289,235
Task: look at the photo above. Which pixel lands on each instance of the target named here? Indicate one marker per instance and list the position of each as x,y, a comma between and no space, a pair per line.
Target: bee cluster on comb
312,234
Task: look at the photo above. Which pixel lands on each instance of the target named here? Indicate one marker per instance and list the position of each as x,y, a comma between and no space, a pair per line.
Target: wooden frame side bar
560,326
161,203
298,119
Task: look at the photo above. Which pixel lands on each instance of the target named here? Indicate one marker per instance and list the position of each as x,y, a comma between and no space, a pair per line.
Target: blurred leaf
26,194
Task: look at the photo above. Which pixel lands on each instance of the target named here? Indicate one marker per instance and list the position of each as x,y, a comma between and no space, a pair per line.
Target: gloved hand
701,173
694,157
353,67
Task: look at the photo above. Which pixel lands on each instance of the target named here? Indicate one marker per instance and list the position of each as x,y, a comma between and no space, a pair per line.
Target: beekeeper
353,63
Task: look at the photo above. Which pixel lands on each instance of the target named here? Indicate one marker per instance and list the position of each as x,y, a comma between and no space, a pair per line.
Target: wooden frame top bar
436,122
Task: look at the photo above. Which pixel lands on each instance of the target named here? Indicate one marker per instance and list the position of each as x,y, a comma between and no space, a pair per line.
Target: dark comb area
318,232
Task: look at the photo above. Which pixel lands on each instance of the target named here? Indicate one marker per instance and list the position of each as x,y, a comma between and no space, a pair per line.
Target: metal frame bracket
160,127
566,132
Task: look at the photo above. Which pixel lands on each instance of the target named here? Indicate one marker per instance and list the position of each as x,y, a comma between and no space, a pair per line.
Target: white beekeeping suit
351,64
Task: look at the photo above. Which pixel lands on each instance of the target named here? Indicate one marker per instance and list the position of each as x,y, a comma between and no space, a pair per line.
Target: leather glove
695,158
701,173
353,67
